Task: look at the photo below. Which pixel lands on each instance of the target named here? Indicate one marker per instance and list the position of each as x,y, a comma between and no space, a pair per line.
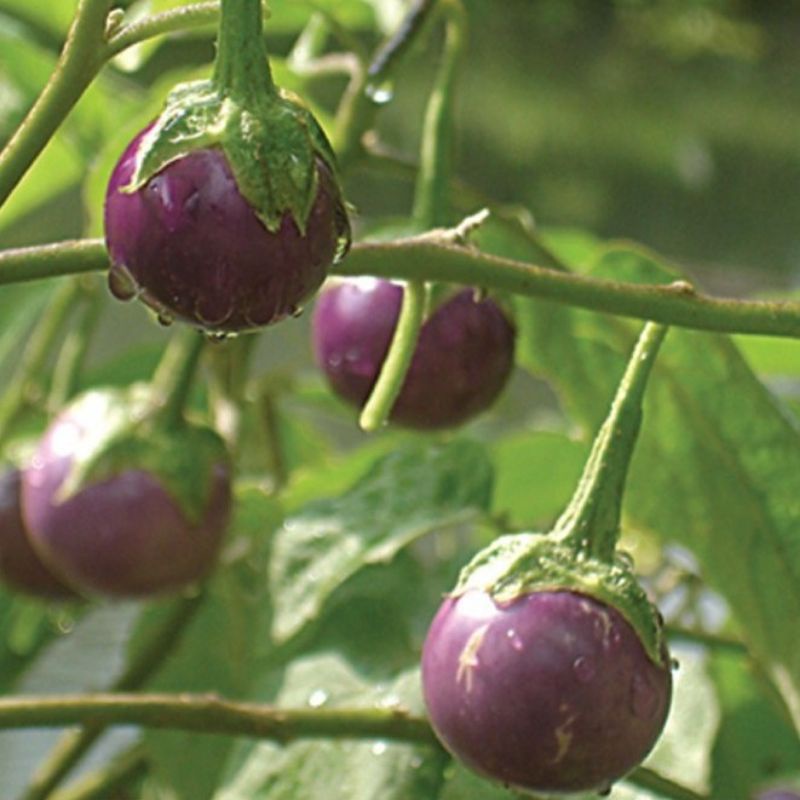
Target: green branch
434,257
145,661
175,20
210,714
80,61
88,47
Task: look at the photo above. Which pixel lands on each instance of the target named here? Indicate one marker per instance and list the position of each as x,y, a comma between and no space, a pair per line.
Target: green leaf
536,475
755,743
406,495
220,650
331,769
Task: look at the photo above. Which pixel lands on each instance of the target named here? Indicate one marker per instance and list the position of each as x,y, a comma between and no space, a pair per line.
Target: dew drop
380,93
296,311
379,748
164,318
584,668
217,337
643,698
121,283
515,640
317,698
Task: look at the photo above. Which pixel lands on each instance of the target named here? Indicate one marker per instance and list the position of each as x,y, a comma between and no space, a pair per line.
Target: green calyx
124,435
271,141
580,553
525,563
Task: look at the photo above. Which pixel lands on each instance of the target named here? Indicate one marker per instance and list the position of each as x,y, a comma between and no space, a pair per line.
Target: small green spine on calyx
579,554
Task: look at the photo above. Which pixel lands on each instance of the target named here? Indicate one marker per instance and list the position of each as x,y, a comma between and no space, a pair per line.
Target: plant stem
398,359
358,108
40,344
664,787
98,785
434,257
432,191
72,356
80,61
210,714
590,524
228,370
174,20
72,746
173,378
242,65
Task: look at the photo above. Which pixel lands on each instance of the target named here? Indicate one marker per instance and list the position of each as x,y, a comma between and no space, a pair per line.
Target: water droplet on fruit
516,641
317,698
217,337
296,311
121,283
164,319
379,748
380,93
644,698
584,668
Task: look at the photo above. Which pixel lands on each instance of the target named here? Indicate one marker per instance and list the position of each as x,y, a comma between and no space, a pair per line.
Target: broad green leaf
406,495
755,744
536,474
220,650
771,355
337,770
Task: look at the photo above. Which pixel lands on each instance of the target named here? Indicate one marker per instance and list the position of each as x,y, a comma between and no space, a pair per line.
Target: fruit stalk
173,378
242,67
590,523
432,190
401,351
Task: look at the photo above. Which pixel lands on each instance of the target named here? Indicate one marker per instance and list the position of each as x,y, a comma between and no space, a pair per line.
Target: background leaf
406,494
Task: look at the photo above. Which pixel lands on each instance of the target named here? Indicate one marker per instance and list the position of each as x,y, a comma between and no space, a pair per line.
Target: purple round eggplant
126,535
552,692
21,568
464,355
190,246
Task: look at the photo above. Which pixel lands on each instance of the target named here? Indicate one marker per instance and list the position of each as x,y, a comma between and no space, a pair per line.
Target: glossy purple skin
20,566
125,536
195,250
463,358
551,693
